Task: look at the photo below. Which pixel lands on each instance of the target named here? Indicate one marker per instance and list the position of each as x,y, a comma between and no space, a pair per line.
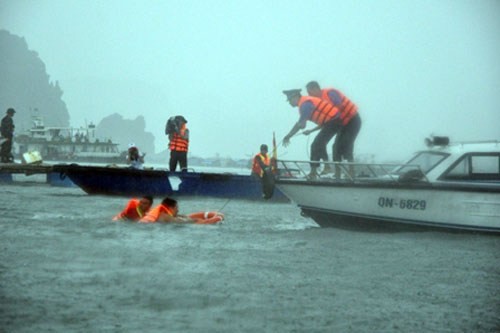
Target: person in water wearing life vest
134,158
135,209
261,168
343,146
167,211
320,112
179,144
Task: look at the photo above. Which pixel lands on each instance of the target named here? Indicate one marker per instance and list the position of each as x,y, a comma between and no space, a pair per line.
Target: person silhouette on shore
7,132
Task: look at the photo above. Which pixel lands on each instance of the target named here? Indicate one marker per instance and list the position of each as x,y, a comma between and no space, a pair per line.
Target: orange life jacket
131,211
154,214
323,110
178,143
256,165
347,108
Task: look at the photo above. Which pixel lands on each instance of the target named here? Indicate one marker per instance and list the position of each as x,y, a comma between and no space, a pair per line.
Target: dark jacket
7,127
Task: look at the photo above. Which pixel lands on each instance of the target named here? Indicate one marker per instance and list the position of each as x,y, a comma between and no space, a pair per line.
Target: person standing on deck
343,146
323,114
7,131
261,169
179,144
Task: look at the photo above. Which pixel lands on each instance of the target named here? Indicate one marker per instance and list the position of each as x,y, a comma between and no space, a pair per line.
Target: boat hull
131,182
225,186
117,181
397,205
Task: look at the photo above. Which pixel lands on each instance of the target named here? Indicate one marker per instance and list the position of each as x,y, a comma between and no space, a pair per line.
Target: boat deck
350,172
28,169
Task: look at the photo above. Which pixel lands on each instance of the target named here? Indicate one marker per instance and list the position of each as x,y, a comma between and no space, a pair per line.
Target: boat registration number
402,203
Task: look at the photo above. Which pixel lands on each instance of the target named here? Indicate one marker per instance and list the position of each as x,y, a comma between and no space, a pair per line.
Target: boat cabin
442,161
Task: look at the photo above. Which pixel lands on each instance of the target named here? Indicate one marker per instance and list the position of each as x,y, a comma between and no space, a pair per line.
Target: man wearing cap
179,144
320,112
343,146
7,131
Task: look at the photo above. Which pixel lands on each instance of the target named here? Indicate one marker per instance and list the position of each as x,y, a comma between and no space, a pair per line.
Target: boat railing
476,142
350,172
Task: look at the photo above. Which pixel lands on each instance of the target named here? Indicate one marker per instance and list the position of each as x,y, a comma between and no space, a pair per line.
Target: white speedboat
447,185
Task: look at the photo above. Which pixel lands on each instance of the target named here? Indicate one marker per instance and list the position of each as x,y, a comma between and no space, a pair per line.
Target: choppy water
65,267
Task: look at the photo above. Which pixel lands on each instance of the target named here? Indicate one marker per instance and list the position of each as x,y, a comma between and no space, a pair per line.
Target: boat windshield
425,161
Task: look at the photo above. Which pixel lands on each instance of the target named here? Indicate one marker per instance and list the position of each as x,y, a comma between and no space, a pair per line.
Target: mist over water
413,68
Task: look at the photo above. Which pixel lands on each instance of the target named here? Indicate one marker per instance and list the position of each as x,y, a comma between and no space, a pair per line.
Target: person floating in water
168,211
135,209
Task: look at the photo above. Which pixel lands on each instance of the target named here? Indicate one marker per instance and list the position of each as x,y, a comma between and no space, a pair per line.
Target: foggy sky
413,67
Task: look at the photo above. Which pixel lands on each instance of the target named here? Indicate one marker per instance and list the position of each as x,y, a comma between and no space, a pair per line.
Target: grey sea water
65,267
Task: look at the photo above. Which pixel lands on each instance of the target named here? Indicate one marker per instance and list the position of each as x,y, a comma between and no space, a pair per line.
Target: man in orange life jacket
323,114
135,209
261,168
167,211
179,143
343,146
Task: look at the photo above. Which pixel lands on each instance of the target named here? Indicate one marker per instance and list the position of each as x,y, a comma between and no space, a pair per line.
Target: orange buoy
207,217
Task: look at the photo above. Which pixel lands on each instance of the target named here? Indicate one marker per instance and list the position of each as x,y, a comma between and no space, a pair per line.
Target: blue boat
55,179
116,180
132,182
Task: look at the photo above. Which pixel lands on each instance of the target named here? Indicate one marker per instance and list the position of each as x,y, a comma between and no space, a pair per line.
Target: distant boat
122,181
453,186
67,144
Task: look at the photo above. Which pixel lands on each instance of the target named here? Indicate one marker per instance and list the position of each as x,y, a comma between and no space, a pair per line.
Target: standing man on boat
323,114
343,146
179,144
7,131
261,168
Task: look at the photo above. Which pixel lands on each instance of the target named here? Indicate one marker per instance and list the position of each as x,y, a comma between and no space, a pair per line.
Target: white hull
415,205
68,144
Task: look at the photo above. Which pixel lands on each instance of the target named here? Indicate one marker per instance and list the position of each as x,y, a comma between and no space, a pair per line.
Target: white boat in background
447,186
67,144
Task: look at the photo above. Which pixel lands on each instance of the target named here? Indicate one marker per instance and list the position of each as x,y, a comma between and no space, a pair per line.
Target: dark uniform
262,169
7,131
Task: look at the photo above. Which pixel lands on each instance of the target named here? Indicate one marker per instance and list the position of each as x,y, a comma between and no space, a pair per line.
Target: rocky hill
26,86
125,132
